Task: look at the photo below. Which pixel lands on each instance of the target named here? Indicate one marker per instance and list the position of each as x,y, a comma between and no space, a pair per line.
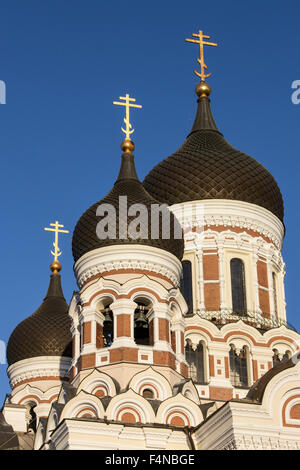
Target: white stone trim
225,212
119,257
42,366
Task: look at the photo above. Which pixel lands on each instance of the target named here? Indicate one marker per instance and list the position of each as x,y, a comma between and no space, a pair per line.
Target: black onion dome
85,238
206,166
46,332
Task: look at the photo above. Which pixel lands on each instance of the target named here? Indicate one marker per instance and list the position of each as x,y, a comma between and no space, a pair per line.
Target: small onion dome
206,166
85,238
47,331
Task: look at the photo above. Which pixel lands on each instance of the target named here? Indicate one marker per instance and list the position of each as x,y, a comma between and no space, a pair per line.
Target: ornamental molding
43,366
255,442
135,257
229,213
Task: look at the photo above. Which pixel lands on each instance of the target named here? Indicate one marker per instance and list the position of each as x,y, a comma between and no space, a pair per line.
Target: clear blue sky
65,62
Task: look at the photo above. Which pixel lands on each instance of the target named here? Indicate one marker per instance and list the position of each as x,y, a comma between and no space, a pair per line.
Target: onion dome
206,166
85,238
47,331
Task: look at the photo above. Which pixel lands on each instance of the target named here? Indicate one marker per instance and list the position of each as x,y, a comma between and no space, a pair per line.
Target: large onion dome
85,238
206,166
47,331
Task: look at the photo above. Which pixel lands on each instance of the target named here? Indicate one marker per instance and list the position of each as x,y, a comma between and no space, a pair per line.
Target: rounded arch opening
238,364
194,355
108,324
238,286
143,328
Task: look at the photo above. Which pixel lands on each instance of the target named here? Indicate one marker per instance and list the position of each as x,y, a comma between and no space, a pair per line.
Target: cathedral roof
256,392
8,438
85,238
206,166
47,331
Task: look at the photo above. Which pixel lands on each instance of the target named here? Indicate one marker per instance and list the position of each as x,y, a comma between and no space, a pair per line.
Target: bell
140,320
107,317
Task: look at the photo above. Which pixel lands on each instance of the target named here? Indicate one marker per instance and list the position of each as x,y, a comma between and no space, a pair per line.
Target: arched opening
238,289
148,394
238,367
195,360
279,358
142,334
186,285
31,416
108,325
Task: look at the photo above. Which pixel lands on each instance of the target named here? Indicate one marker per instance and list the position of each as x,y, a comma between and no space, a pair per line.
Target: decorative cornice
39,367
131,258
229,213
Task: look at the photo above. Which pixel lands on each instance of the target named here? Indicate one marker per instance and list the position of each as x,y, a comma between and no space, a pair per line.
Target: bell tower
128,313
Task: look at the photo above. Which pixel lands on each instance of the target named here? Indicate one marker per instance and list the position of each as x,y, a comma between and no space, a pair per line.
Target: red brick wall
211,366
262,273
163,329
226,360
123,325
99,336
124,354
264,302
151,333
212,296
182,342
173,341
87,361
255,370
164,358
87,332
210,267
219,393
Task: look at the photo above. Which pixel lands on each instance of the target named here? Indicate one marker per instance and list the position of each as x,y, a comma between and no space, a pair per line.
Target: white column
221,276
271,287
255,282
123,307
199,254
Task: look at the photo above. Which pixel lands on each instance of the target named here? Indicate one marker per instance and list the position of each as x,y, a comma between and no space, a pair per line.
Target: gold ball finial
203,89
127,146
55,267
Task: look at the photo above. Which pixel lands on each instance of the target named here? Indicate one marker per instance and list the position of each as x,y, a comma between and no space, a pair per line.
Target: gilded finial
201,41
57,228
127,145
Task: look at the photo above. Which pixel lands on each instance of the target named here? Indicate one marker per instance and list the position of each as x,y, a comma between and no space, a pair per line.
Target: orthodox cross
57,229
128,104
201,41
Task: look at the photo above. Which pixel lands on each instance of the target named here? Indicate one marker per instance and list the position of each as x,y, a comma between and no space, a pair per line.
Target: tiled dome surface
46,332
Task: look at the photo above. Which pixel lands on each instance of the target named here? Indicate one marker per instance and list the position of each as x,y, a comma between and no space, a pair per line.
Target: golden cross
128,105
57,230
201,42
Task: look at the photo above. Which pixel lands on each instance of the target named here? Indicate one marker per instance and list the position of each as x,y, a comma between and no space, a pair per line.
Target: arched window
148,394
31,416
238,289
186,284
108,327
278,358
141,324
238,367
195,360
274,293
